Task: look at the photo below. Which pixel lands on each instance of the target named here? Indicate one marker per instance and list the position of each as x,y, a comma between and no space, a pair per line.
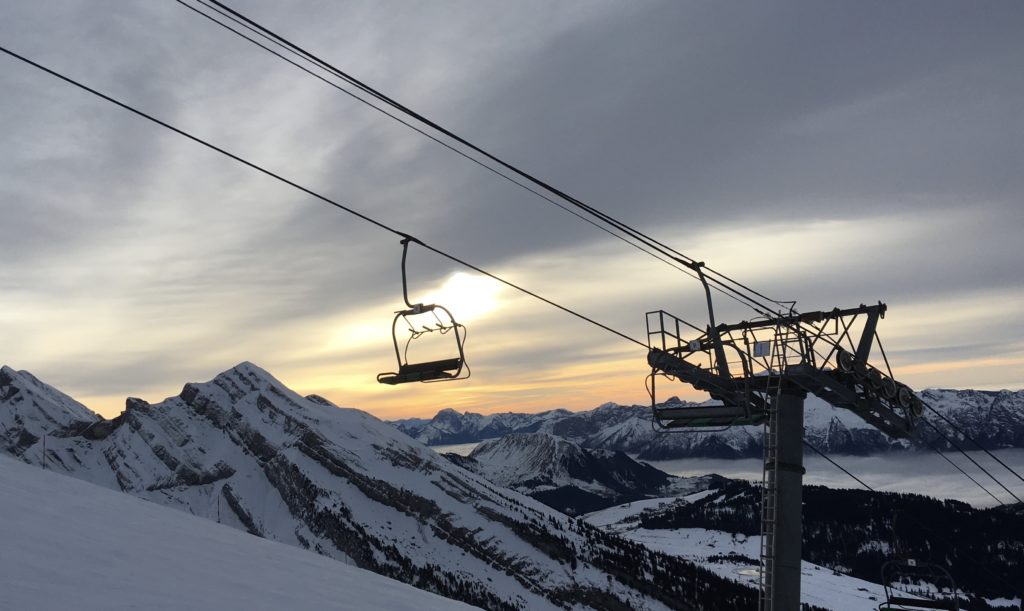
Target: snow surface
613,515
69,544
819,585
1012,603
462,449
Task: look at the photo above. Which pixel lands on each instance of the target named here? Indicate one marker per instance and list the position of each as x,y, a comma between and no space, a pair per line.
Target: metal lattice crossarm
825,353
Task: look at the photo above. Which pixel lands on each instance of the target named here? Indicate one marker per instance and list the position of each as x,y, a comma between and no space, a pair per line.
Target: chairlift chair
424,320
916,585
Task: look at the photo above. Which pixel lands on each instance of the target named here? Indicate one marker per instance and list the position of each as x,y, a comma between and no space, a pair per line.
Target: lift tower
758,372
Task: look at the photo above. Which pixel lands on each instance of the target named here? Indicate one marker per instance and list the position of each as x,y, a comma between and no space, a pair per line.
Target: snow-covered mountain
570,478
32,409
69,544
244,450
994,418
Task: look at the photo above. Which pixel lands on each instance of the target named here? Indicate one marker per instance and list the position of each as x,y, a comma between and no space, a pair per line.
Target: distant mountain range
994,418
245,451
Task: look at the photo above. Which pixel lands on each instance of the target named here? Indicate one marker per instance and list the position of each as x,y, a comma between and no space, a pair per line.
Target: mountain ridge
248,452
994,418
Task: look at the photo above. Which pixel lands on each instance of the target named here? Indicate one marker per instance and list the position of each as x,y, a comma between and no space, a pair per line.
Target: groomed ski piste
68,544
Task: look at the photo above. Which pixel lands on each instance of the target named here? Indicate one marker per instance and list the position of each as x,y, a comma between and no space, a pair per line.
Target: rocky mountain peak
31,409
246,451
448,414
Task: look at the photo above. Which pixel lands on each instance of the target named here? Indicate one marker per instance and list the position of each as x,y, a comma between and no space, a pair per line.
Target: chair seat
430,366
901,602
422,372
710,416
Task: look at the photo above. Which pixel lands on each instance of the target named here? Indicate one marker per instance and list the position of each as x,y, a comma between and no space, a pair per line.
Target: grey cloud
705,92
688,116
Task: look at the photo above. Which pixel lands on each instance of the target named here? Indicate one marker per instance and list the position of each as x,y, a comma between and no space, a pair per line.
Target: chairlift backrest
935,586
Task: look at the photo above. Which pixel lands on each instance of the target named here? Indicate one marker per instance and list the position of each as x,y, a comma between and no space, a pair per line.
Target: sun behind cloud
469,296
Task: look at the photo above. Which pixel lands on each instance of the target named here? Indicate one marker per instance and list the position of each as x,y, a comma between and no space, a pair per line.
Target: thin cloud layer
832,153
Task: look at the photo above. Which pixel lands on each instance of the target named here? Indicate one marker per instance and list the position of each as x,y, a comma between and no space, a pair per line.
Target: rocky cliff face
244,450
32,409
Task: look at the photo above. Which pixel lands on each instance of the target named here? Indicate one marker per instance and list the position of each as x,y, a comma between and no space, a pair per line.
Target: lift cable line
965,473
667,258
971,439
316,195
285,44
720,280
289,47
861,482
424,133
709,277
776,373
837,465
938,535
933,448
957,447
940,453
770,367
361,215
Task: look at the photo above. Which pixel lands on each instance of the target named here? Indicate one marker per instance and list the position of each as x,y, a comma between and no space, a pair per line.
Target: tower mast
776,362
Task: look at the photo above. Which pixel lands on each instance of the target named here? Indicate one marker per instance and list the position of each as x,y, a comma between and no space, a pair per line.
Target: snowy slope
853,532
72,545
244,450
735,557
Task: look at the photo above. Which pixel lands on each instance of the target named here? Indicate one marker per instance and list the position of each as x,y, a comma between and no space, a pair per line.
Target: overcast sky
830,152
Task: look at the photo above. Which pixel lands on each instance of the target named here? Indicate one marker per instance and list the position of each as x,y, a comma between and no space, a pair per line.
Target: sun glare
468,296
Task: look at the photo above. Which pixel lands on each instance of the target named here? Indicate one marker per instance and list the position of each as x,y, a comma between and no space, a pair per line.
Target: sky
835,153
